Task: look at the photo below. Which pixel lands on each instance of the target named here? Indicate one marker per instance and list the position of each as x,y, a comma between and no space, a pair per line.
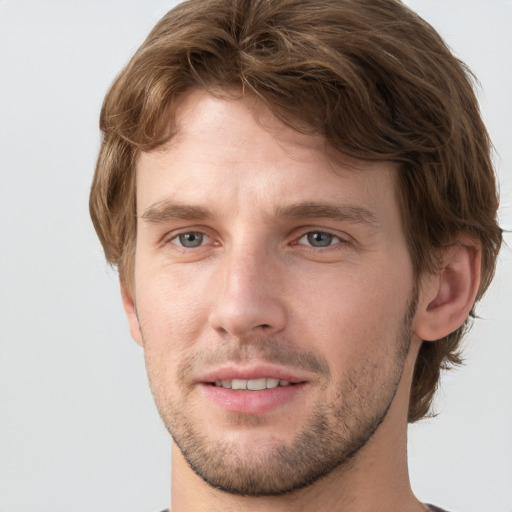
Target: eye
319,239
190,240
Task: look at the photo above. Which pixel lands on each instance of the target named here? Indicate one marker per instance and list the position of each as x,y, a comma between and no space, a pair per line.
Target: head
370,79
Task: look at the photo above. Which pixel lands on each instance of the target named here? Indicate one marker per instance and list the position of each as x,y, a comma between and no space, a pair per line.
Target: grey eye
319,239
192,239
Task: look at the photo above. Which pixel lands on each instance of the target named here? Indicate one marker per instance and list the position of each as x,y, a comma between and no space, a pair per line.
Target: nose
249,298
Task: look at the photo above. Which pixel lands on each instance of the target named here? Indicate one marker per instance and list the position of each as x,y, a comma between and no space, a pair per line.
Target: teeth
272,383
257,384
238,384
252,384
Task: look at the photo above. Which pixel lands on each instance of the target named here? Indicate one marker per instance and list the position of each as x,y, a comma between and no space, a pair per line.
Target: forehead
230,122
231,151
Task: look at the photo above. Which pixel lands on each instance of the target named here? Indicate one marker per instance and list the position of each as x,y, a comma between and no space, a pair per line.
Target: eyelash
306,236
332,238
184,247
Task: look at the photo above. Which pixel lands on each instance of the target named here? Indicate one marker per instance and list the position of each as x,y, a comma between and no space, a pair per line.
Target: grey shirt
431,507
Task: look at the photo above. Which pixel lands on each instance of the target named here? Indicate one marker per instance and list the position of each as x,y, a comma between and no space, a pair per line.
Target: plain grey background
78,429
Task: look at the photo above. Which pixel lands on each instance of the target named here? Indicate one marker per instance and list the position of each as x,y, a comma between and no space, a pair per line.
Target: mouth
253,391
252,384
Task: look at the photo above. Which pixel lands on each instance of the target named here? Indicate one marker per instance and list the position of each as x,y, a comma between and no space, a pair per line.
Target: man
301,203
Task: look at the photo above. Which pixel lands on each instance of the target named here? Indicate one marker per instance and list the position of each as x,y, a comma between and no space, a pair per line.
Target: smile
252,384
258,389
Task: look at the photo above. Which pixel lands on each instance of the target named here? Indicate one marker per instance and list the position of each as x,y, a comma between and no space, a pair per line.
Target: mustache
268,350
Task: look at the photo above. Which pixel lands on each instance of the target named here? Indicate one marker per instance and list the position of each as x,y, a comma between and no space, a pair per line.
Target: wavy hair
370,76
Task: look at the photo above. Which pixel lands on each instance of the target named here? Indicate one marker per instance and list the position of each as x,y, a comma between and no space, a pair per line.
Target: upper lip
234,371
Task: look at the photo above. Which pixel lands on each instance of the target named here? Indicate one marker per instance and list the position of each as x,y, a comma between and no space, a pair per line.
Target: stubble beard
331,438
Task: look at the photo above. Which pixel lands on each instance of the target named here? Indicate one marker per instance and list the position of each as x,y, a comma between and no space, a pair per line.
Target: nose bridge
248,299
246,267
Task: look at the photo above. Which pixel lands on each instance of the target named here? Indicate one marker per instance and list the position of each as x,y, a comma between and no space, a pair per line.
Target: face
273,296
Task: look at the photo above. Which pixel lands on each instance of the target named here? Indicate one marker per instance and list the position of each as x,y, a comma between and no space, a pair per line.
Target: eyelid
335,237
204,241
169,236
341,236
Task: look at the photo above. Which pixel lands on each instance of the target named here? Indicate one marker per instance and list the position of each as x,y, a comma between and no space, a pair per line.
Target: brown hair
370,76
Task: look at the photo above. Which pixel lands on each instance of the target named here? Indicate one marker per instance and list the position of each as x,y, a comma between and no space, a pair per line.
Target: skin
297,263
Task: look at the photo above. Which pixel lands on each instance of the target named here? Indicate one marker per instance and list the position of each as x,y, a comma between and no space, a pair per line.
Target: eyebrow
167,211
342,212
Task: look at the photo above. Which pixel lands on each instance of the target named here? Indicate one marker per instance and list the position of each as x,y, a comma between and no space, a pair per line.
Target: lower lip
251,402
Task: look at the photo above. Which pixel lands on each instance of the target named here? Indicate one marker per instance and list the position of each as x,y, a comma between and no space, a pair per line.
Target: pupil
191,239
319,239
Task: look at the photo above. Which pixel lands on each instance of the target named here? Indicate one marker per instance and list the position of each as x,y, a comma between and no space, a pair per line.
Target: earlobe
131,314
447,297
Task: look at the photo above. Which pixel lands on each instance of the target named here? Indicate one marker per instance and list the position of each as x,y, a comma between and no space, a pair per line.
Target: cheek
171,312
355,315
171,322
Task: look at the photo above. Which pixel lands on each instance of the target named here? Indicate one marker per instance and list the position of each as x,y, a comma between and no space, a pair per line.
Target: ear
131,314
446,298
